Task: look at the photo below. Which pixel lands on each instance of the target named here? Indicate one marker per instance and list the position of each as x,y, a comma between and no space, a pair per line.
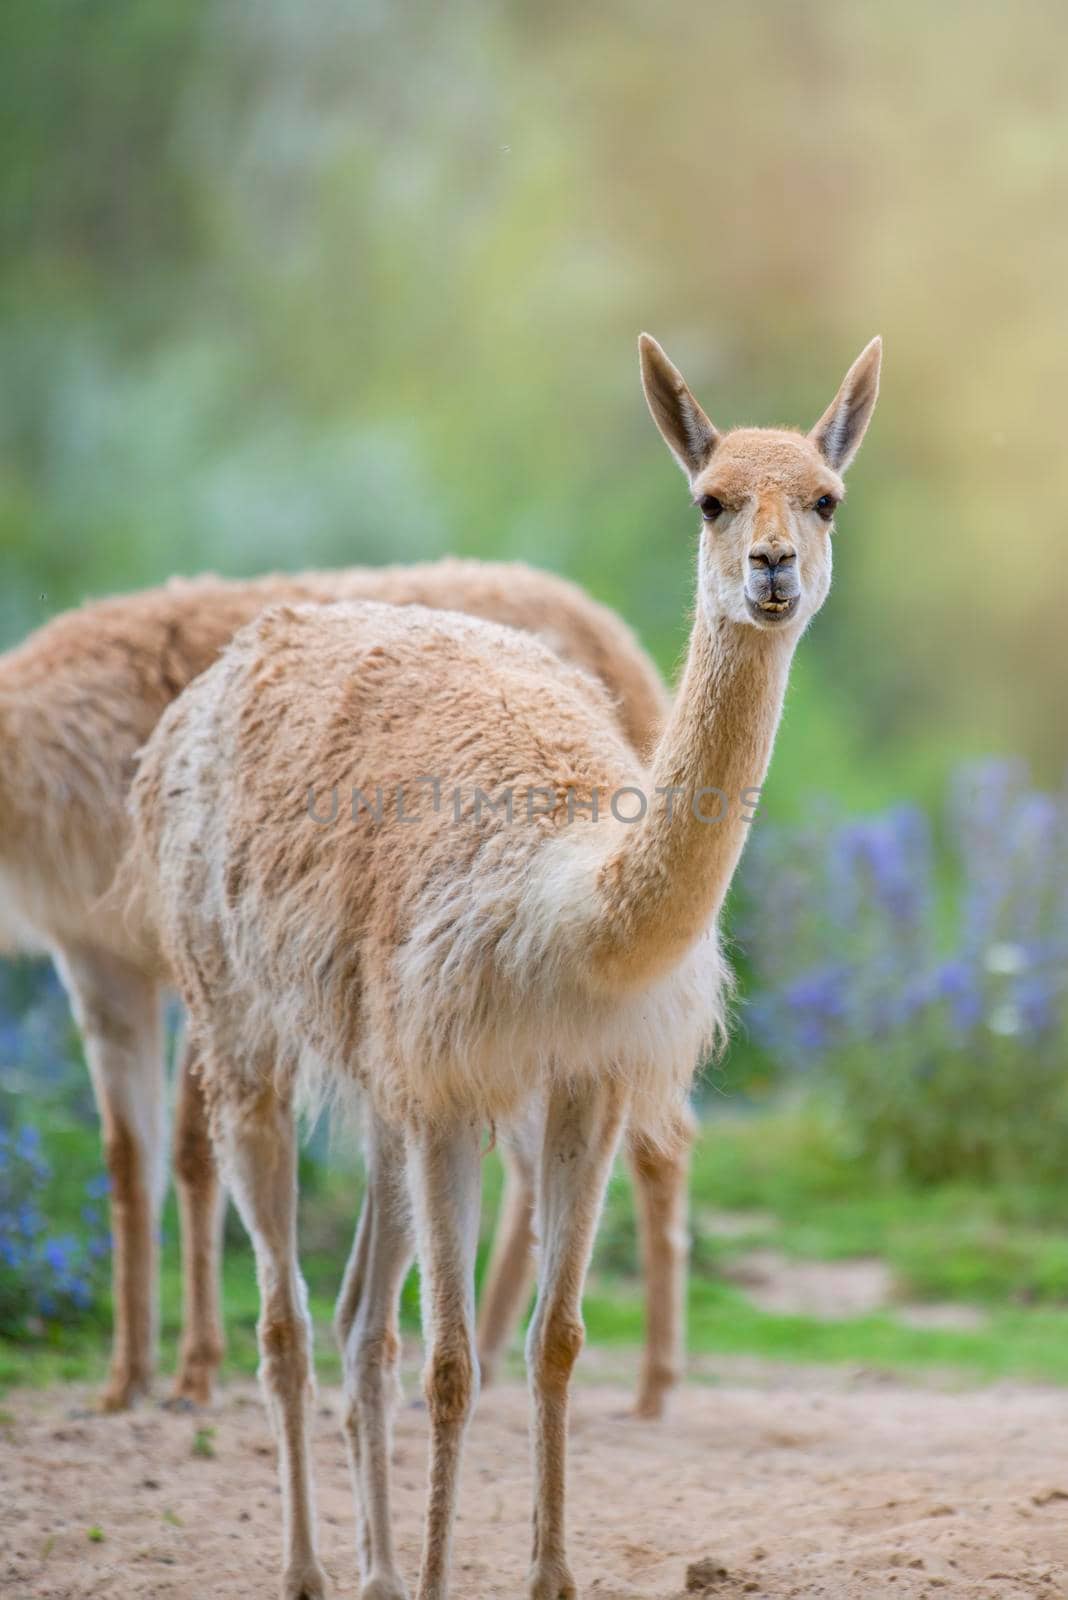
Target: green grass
990,1246
791,1185
789,1179
1025,1344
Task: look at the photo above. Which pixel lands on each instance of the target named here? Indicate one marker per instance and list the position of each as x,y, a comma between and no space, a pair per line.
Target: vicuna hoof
195,1380
383,1588
123,1392
647,1408
556,1583
305,1583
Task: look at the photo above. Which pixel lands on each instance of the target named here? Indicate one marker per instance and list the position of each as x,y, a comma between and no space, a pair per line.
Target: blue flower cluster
45,1278
921,973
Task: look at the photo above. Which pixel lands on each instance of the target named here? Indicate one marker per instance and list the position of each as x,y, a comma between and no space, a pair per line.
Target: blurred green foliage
285,285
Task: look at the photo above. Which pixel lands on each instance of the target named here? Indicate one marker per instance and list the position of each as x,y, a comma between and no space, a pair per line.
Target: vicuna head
767,495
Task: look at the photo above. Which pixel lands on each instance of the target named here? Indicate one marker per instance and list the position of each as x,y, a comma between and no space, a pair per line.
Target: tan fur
366,916
469,967
83,694
660,1173
117,1009
201,1210
77,701
661,1179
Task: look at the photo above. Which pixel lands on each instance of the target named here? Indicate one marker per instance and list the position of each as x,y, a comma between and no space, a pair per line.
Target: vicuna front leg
581,1131
201,1208
511,1267
366,1326
661,1181
118,1011
260,1158
445,1175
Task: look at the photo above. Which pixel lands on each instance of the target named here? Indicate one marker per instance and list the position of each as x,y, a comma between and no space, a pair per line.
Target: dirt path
798,1484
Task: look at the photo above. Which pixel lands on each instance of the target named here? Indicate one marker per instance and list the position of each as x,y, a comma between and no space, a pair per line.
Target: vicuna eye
710,507
826,505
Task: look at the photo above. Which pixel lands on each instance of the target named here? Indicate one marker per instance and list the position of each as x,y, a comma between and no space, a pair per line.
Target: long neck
664,878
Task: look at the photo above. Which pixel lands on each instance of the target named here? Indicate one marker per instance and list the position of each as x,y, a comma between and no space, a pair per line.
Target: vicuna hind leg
366,1326
581,1132
661,1182
257,1142
445,1178
511,1268
117,1009
201,1208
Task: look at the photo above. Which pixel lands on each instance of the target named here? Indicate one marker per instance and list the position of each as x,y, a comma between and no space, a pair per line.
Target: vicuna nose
771,554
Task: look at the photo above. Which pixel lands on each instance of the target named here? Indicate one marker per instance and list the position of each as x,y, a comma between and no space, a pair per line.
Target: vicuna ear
838,433
689,435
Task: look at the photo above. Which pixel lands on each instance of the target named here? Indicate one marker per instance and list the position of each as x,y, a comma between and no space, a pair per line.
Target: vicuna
77,700
460,972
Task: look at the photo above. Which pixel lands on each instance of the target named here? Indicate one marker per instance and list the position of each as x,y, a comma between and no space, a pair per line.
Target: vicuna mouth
772,610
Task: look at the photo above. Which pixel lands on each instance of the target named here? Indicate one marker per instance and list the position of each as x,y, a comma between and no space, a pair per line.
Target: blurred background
285,286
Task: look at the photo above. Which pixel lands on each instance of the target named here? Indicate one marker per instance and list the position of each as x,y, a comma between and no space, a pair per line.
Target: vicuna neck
663,881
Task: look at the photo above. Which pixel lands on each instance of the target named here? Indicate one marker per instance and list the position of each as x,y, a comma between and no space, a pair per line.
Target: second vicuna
78,699
457,969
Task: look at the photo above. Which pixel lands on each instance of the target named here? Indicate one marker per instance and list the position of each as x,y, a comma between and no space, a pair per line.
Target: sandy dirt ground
782,1482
